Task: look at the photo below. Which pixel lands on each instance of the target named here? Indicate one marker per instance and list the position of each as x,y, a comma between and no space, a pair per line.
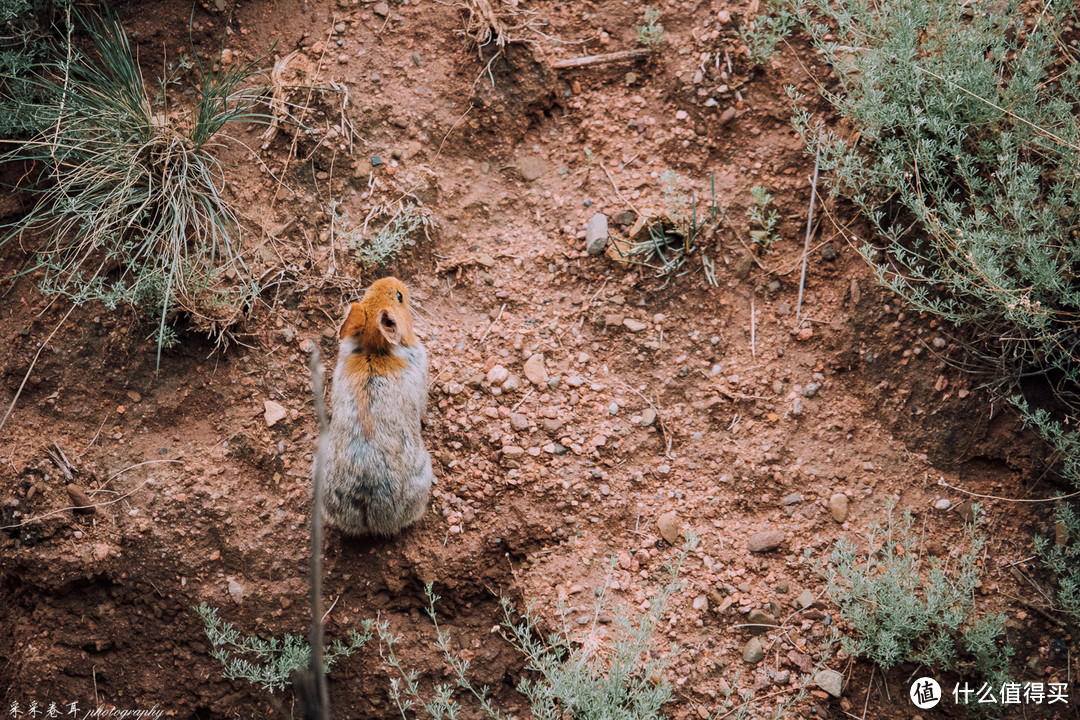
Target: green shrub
966,164
25,29
761,34
381,247
129,194
571,680
905,609
269,663
651,35
764,217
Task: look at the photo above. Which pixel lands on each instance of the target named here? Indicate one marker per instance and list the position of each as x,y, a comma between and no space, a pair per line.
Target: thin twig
484,336
941,481
753,326
95,505
611,57
31,368
809,228
310,683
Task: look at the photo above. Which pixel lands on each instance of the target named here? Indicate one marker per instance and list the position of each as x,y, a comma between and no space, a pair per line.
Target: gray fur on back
379,485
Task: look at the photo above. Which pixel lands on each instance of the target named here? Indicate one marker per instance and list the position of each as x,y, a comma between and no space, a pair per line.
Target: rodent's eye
400,297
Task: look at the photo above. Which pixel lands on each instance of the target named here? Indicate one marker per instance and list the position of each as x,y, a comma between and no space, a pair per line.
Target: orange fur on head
379,322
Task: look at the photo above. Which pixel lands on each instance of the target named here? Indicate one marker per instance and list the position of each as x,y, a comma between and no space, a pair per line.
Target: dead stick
31,369
310,684
620,56
753,325
809,227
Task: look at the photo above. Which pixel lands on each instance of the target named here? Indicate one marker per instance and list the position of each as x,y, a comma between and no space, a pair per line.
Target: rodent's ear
354,321
388,326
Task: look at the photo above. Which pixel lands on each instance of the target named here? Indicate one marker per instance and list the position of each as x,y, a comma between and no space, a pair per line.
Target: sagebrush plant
905,608
620,679
130,205
764,216
24,33
966,166
269,664
668,240
651,34
382,246
762,33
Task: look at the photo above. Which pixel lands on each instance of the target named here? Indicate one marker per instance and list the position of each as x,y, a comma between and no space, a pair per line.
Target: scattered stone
796,406
805,599
783,677
777,387
838,506
497,375
382,9
811,389
512,451
82,502
828,252
535,370
782,587
804,334
519,421
743,265
531,167
830,681
634,325
701,603
613,408
613,320
376,161
511,383
552,425
727,116
943,504
648,416
236,591
625,218
967,512
760,622
596,234
800,660
100,551
765,541
273,412
668,524
575,381
792,499
753,652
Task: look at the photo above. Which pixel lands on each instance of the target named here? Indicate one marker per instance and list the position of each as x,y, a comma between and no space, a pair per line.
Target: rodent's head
381,320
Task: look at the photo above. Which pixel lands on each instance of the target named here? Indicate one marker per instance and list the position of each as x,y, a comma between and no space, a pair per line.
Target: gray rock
511,383
828,252
727,116
783,677
838,506
596,234
765,541
792,499
519,421
753,652
634,325
648,416
811,389
830,681
805,599
777,387
381,9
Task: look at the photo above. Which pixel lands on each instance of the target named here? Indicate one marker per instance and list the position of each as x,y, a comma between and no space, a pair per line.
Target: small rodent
378,474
